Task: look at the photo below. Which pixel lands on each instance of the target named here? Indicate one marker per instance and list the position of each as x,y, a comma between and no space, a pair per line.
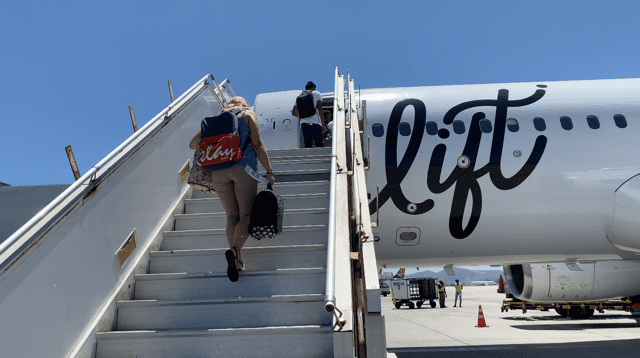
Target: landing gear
562,312
575,312
580,313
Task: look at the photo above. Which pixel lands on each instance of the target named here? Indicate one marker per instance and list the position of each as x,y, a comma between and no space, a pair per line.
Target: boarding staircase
166,292
186,305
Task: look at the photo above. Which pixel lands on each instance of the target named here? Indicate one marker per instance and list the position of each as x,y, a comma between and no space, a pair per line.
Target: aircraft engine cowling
573,281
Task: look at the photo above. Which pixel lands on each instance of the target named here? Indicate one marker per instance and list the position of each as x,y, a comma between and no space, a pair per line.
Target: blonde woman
237,185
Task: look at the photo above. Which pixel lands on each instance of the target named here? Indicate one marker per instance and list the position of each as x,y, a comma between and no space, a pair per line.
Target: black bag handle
269,186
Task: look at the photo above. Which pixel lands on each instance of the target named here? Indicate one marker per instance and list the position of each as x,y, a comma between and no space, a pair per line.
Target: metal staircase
186,305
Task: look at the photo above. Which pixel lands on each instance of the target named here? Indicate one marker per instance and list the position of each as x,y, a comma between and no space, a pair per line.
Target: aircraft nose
625,228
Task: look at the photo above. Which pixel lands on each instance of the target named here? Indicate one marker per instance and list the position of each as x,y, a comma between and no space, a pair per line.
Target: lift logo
465,175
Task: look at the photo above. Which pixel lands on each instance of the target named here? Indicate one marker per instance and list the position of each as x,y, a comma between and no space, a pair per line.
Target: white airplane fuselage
497,173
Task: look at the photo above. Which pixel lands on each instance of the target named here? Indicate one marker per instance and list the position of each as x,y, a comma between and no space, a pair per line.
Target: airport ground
452,331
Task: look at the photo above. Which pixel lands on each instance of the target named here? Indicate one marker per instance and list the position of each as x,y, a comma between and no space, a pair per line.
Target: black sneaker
232,270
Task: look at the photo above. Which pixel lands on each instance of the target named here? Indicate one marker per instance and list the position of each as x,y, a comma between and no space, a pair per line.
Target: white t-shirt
315,119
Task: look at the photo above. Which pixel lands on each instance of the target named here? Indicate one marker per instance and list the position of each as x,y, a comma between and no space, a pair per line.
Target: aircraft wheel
398,305
432,304
562,312
579,313
411,305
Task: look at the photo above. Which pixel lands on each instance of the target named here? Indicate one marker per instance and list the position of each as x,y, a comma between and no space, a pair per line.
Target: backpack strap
252,173
246,142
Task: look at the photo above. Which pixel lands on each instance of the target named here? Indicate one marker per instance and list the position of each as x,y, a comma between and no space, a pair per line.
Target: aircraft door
625,226
278,127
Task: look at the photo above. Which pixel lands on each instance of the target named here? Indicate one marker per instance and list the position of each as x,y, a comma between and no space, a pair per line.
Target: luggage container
418,290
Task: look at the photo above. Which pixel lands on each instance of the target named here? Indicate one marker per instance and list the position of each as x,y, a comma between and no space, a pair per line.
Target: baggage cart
418,290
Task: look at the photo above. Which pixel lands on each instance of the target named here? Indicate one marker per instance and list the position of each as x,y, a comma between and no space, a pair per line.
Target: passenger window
458,127
512,125
621,122
432,128
485,126
593,122
405,129
377,130
539,124
566,123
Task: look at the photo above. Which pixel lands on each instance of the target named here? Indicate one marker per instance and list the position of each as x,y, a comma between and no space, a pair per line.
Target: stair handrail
330,296
90,175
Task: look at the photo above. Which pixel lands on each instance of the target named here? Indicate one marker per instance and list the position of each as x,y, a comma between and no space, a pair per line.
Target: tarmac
452,331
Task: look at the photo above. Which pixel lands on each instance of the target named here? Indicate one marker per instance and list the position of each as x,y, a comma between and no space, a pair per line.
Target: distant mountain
464,275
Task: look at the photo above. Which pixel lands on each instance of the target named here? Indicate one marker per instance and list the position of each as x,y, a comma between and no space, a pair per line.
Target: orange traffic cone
501,286
481,322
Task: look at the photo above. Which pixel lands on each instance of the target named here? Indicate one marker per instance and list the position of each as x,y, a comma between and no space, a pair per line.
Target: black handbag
266,214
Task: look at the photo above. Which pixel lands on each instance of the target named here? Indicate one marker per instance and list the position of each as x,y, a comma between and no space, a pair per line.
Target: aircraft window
566,123
485,125
512,125
377,130
458,126
539,124
404,129
593,122
621,122
432,128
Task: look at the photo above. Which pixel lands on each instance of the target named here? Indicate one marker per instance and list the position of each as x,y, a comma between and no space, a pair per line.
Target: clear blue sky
70,69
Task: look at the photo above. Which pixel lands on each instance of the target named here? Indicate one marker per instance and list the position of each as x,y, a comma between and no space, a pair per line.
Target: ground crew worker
458,293
443,293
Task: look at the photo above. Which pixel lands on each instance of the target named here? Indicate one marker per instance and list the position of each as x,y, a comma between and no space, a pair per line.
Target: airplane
391,276
540,177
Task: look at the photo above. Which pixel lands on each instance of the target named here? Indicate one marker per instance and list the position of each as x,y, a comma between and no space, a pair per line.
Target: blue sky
70,69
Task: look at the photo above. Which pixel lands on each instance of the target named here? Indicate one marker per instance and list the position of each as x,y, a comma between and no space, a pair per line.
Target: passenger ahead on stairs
237,185
308,108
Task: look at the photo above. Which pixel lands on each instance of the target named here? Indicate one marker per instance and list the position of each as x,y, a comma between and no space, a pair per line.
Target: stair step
205,286
294,341
254,258
216,238
312,216
217,314
285,164
290,201
282,188
278,153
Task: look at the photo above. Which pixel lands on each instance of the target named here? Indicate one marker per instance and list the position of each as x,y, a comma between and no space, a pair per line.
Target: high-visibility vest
458,287
440,289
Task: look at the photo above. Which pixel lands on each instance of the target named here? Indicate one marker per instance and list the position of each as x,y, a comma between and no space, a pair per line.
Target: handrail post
222,103
330,298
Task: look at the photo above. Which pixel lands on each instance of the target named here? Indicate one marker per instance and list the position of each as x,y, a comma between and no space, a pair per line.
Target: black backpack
266,214
221,142
306,107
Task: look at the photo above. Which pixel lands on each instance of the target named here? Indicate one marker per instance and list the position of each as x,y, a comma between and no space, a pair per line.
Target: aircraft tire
562,312
579,313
